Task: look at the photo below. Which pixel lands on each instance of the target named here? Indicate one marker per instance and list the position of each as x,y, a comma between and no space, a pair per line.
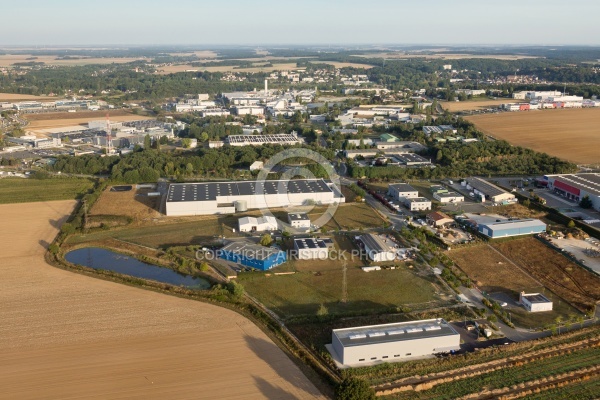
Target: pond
98,258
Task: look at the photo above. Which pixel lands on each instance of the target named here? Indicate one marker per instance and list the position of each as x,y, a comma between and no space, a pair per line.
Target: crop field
302,293
20,190
571,134
568,280
65,335
444,56
23,97
476,104
8,60
39,123
133,203
171,69
345,64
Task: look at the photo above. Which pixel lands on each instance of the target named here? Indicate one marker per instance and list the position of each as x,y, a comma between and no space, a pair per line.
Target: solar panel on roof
358,336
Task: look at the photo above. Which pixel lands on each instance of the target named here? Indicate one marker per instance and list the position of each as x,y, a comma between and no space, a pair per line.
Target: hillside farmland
570,134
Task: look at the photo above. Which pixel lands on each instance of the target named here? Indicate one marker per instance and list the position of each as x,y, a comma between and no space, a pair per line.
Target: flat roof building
417,203
535,302
229,197
252,255
496,226
311,249
363,345
576,186
378,249
299,221
489,190
401,191
410,159
448,197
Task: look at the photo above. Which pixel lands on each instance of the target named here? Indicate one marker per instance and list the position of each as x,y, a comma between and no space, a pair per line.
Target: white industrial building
215,112
377,249
257,166
535,302
299,221
449,197
402,341
400,191
576,186
311,249
261,224
238,196
417,203
488,191
249,110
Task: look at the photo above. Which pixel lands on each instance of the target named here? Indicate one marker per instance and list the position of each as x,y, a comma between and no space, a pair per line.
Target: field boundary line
514,264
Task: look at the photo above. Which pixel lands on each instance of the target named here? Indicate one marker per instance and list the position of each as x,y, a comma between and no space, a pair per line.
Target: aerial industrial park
300,221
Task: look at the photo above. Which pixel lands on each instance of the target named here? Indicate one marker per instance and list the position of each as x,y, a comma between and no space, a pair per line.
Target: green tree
266,240
492,318
571,224
526,203
354,389
586,202
147,142
236,289
67,228
186,143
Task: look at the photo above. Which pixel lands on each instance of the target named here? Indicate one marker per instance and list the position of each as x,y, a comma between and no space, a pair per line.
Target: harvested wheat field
133,203
7,60
24,97
470,105
69,336
171,69
44,123
571,134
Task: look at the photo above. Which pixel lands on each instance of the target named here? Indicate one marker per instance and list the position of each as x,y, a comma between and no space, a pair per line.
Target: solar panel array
209,191
281,138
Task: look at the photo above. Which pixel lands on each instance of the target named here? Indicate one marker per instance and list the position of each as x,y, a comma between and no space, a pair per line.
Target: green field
303,292
20,190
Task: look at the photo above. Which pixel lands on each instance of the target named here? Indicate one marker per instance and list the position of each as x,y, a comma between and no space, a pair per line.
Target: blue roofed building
495,226
253,255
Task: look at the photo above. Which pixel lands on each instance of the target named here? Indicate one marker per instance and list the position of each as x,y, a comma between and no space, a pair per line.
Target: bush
354,389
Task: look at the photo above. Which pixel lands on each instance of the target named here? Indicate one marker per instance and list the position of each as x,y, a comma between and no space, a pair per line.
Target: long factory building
210,198
576,186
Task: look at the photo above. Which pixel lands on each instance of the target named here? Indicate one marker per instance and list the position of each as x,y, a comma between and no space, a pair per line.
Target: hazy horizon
310,23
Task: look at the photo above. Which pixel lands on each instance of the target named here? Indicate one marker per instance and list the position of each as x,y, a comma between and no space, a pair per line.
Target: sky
268,22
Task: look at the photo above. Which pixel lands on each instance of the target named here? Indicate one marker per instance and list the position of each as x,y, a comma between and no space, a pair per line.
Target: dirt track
70,336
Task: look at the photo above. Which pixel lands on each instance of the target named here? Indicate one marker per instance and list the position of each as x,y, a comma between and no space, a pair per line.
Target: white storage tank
241,206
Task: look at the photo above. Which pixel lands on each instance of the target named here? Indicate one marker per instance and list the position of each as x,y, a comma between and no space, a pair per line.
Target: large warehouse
576,186
490,191
260,224
230,197
496,226
378,249
252,255
393,342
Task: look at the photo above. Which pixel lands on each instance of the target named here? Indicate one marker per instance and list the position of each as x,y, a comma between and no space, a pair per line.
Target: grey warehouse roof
375,243
364,335
209,191
402,187
589,183
310,243
485,187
